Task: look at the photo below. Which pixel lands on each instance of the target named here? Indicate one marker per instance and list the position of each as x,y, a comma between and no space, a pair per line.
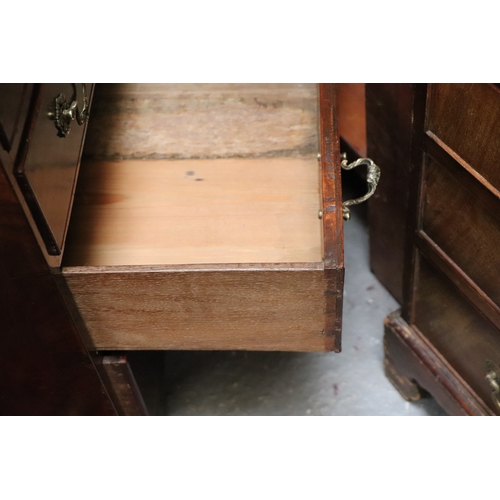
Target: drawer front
463,219
460,333
47,169
466,118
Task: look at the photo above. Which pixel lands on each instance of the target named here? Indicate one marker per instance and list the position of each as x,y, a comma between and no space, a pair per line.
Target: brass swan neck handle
372,179
65,111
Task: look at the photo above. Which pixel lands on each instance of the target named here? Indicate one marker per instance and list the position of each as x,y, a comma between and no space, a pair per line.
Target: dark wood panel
448,326
15,107
412,364
414,211
389,116
462,335
463,225
455,274
44,366
47,166
466,117
13,97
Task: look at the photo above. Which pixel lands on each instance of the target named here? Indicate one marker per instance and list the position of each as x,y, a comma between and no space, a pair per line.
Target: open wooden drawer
206,216
209,217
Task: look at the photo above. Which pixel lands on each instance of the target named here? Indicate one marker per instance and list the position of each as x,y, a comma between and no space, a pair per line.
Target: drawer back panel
223,120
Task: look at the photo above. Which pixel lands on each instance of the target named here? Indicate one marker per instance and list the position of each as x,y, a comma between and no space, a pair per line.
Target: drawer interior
198,174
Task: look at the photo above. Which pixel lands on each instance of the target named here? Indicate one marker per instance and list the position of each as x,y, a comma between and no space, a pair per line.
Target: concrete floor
276,383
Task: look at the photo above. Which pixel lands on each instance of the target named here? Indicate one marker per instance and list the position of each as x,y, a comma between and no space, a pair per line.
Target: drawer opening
198,174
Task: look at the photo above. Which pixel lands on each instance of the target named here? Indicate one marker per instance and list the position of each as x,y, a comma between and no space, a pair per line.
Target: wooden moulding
333,225
120,381
412,364
239,263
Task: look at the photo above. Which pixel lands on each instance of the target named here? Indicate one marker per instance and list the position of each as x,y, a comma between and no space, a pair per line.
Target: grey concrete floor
277,383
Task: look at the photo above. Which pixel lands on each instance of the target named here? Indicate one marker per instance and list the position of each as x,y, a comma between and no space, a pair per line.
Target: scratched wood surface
214,120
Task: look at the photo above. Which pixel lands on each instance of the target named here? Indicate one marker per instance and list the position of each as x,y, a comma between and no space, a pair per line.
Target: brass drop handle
65,112
493,378
372,179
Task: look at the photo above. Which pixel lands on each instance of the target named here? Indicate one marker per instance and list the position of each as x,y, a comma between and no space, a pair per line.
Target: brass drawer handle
493,377
65,112
372,179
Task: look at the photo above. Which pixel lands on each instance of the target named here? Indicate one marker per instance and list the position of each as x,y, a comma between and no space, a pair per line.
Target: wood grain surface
389,117
458,112
261,307
352,115
331,185
448,326
465,226
212,240
136,212
214,120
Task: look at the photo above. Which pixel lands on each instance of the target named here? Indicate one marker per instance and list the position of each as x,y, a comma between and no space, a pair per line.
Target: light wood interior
352,115
234,180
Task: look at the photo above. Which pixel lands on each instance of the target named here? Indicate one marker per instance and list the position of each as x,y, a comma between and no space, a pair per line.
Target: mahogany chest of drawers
212,219
442,260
